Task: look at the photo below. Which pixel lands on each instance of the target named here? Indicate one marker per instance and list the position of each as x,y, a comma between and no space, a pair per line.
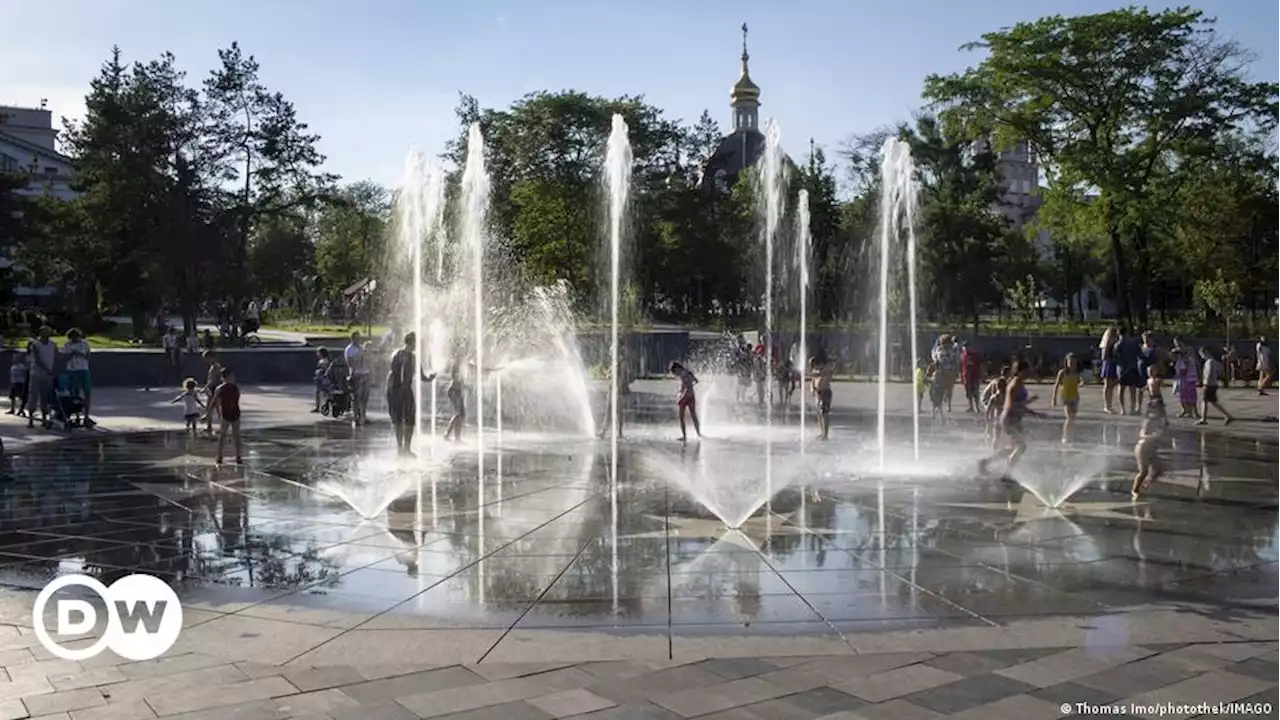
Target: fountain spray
803,238
897,207
475,202
618,178
771,188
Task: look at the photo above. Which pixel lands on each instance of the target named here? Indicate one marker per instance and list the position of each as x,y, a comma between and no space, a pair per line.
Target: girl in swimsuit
457,398
687,401
226,402
1067,390
1147,450
1017,398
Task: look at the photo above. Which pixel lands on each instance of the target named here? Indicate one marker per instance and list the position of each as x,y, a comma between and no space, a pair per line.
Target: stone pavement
244,657
233,672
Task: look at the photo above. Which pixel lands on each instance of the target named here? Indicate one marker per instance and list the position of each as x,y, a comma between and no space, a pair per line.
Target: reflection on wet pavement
322,518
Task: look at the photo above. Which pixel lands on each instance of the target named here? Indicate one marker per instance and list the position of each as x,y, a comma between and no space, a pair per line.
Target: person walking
226,402
42,354
1210,374
1262,354
1066,389
18,365
1108,371
1186,377
77,352
971,376
1126,355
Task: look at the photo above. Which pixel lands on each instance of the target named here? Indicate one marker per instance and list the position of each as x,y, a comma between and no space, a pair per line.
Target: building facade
28,146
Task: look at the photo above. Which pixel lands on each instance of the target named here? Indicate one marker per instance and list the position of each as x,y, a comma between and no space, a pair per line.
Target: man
971,375
1126,354
77,352
42,354
358,375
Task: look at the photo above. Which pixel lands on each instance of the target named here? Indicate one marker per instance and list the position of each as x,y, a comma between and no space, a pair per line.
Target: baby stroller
335,395
66,404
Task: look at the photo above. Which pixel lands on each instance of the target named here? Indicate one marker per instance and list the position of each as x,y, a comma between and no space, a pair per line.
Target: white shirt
79,361
192,343
191,404
1212,369
169,341
355,359
42,355
1264,357
18,370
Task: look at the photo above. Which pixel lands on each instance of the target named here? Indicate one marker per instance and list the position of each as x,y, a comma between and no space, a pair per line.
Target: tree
1075,231
349,236
1112,101
262,148
966,247
1219,297
818,178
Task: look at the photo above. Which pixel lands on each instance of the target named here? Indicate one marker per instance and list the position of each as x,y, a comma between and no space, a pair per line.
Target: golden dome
744,89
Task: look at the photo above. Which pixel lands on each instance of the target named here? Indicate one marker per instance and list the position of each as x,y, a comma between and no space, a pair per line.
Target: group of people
33,376
219,397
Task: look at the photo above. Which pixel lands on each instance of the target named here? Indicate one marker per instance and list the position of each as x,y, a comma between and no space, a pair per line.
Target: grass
314,328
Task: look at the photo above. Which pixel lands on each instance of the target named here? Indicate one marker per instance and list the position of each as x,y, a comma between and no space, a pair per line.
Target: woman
1185,375
1017,400
686,401
401,402
1067,389
946,361
1109,373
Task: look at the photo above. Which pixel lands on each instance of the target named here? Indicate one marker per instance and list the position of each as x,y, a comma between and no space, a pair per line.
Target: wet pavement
328,521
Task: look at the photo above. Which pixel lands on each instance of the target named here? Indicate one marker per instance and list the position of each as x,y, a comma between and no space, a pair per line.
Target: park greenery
1158,187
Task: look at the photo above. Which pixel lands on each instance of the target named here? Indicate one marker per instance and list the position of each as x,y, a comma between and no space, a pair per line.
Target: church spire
744,98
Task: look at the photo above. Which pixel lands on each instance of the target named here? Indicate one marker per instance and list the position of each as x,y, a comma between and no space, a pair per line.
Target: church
742,147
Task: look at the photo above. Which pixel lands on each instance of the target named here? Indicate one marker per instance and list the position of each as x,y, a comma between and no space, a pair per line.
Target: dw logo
144,617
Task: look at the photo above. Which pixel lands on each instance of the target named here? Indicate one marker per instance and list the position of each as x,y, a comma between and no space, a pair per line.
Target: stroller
66,404
335,394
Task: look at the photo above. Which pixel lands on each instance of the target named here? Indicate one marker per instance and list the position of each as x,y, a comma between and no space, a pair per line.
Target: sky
378,77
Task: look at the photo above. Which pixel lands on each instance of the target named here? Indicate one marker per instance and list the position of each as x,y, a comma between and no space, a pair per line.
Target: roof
32,147
737,151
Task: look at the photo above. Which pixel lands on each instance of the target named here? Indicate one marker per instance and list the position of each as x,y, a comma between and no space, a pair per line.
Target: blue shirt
1126,353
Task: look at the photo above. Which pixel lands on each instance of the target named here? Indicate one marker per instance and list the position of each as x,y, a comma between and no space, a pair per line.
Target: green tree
966,247
1219,297
1111,101
263,150
350,232
1076,245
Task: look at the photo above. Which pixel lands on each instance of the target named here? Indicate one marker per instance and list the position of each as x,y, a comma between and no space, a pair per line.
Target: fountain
618,180
803,239
898,190
772,185
475,208
420,221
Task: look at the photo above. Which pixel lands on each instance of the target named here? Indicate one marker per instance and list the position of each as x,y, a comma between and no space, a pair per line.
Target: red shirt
970,365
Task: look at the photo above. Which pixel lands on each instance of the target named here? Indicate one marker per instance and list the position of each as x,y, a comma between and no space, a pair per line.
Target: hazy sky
378,76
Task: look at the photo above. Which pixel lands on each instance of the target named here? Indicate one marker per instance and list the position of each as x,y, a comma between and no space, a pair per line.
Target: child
1212,373
786,379
686,401
922,373
993,404
18,385
822,372
1155,395
226,401
191,404
1146,453
457,398
324,383
1067,390
937,382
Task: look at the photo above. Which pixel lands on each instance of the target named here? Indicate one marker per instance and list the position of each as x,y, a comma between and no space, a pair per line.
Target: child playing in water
457,398
18,385
686,401
191,405
921,375
226,401
1067,390
993,403
1147,450
822,372
936,381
